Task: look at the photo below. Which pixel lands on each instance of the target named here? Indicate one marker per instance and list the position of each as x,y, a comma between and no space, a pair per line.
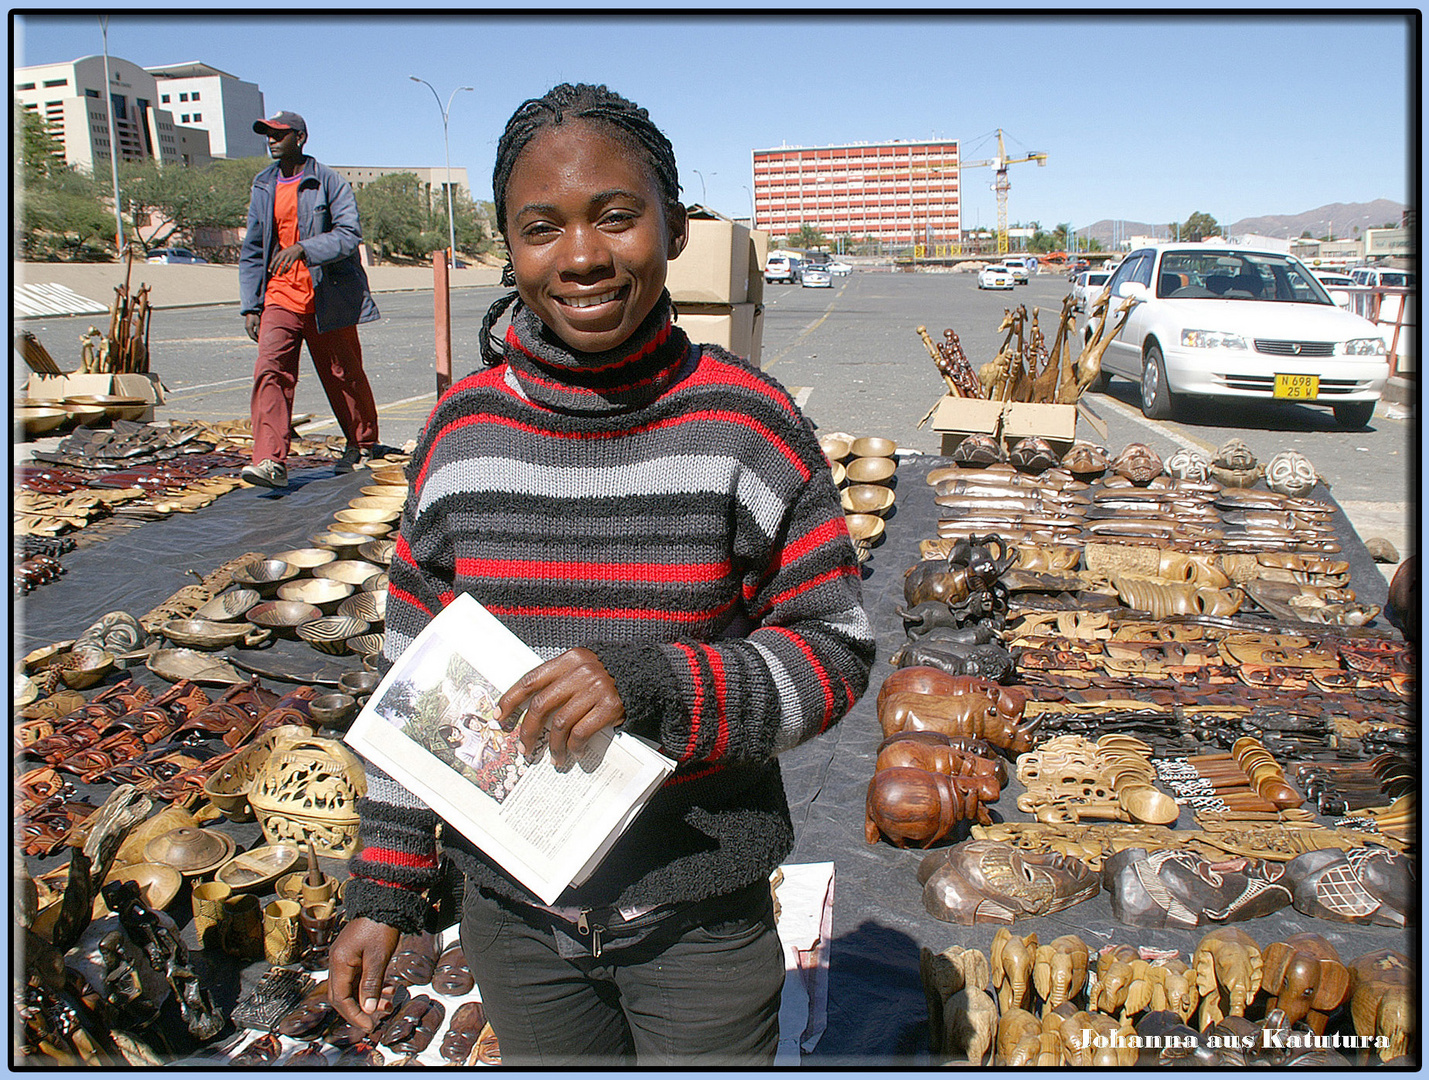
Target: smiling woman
657,517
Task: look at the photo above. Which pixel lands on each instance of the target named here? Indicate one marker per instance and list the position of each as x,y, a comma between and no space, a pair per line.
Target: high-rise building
894,192
70,97
200,95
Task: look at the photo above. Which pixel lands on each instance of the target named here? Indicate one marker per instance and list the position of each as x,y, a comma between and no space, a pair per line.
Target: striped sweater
669,508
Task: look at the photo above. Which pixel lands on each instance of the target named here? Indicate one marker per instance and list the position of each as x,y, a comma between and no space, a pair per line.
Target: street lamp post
702,185
751,205
446,145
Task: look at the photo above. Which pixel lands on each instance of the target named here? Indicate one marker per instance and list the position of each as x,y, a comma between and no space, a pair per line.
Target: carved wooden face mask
981,881
1290,473
1187,464
1138,463
1181,888
1235,454
1085,459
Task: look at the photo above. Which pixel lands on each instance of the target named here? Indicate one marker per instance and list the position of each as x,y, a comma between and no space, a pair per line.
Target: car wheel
1156,401
1354,414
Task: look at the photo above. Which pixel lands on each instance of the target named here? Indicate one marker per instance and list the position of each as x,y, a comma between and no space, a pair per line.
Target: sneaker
354,457
270,474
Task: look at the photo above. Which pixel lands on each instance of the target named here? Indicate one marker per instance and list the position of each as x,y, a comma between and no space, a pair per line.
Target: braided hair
631,124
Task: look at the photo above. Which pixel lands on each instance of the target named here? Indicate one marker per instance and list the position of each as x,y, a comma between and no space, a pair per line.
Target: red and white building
895,192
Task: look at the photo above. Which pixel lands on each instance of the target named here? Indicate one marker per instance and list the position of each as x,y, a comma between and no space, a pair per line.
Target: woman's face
588,234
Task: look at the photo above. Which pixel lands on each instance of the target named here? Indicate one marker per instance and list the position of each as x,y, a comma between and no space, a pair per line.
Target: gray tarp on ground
876,1007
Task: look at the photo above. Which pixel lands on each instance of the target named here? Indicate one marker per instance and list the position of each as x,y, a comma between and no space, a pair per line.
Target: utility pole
113,138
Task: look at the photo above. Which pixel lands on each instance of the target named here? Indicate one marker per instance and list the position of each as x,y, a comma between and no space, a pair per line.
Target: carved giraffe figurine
1044,386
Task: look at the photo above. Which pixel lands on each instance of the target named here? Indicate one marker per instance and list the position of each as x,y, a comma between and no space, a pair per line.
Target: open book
431,726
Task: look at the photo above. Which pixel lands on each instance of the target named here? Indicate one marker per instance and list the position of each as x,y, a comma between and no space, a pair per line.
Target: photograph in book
432,726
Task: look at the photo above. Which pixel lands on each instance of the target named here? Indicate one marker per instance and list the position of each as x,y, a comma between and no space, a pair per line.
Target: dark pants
701,994
337,355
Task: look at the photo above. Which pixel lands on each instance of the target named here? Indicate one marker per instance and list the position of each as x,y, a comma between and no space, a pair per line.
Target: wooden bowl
355,572
870,470
230,605
264,576
86,669
874,447
115,406
387,491
255,870
37,420
836,470
378,551
370,529
331,633
158,883
82,415
334,710
323,593
835,447
366,644
283,616
368,515
344,543
378,502
389,474
359,684
376,584
867,499
370,607
865,528
204,633
307,558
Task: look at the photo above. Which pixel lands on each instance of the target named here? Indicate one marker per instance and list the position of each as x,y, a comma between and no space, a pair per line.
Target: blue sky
1143,119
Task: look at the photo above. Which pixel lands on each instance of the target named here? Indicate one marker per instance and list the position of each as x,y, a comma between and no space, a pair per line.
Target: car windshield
1237,275
1394,281
1097,279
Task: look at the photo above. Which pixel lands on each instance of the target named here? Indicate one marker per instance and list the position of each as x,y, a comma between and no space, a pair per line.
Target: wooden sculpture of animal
1019,1035
962,1017
1228,970
932,752
1305,978
1089,363
906,804
1383,992
1123,986
978,716
1012,959
1059,970
1044,385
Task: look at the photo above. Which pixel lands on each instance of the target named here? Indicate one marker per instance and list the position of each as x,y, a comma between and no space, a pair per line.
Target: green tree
806,238
473,235
59,214
396,221
166,202
1196,228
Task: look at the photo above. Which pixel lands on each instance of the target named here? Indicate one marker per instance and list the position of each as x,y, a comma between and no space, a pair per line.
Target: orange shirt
292,289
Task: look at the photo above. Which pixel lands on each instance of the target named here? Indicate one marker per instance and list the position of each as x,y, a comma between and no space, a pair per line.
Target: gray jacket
329,231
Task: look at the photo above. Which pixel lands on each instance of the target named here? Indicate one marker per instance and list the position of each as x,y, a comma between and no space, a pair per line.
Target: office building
70,97
894,192
433,181
201,96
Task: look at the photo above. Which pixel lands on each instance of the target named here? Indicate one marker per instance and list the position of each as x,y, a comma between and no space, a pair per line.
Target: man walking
301,279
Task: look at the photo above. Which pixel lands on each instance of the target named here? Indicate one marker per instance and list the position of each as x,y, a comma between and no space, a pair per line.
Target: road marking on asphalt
1161,427
765,366
204,340
188,390
801,395
331,421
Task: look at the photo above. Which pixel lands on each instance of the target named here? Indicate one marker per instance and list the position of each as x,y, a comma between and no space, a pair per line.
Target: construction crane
1002,185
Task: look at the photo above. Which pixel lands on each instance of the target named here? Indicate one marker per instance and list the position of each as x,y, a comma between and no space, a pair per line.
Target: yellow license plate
1299,387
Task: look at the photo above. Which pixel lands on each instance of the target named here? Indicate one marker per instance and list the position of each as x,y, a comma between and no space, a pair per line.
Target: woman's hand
572,697
357,961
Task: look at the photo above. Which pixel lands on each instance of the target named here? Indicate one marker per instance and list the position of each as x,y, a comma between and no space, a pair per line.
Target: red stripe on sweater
716,663
396,593
393,857
391,884
818,670
795,549
812,583
566,612
712,370
699,702
534,570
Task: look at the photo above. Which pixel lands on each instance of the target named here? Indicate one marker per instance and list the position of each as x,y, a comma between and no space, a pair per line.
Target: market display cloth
876,1011
876,1008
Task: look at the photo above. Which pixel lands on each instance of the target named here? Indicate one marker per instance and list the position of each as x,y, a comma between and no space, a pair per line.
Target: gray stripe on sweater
382,788
673,474
791,716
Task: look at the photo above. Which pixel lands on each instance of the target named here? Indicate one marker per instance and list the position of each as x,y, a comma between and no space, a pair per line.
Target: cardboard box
736,327
76,383
956,418
719,265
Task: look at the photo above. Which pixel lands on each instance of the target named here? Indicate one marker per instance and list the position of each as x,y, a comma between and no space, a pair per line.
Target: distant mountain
1343,219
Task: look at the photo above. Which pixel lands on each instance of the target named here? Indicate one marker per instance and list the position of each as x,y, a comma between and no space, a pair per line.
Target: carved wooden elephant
1059,971
962,1017
1228,969
1305,978
1083,1031
1012,959
1382,999
1123,986
1173,988
1019,1036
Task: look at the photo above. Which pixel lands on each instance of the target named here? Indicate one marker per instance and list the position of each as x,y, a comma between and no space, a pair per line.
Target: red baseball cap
280,124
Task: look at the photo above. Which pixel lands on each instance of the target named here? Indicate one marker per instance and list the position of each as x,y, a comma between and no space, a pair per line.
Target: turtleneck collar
549,372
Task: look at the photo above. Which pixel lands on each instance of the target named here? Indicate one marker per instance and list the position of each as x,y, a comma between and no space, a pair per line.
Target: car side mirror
1133,290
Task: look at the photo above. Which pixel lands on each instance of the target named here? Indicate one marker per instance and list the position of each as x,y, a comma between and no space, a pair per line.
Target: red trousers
337,355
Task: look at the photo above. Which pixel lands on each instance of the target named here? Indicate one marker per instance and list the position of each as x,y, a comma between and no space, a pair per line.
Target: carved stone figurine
1362,885
985,881
1059,971
1305,979
1228,970
1383,988
962,1017
1181,888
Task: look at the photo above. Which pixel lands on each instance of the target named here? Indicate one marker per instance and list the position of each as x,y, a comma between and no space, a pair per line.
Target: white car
1335,285
1239,322
816,276
1020,274
840,268
1086,287
781,268
175,255
995,277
